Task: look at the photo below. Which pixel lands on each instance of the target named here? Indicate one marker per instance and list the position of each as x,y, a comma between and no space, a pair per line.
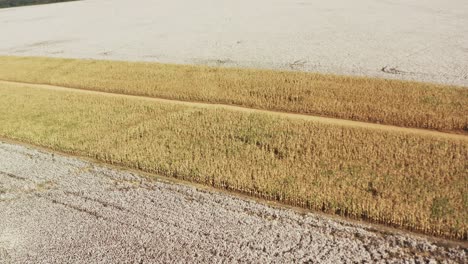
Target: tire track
93,214
13,176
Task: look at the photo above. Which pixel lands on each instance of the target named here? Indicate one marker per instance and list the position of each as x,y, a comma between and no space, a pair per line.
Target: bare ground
58,209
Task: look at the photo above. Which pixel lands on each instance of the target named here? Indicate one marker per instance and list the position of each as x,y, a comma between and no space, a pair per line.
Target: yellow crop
399,103
411,180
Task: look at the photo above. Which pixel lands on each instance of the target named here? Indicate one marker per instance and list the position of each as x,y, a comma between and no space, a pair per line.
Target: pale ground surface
57,209
405,39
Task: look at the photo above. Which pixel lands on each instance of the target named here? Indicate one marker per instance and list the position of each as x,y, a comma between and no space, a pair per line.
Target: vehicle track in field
61,209
320,119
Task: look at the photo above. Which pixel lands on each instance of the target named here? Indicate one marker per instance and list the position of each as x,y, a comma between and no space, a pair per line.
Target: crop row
405,179
408,104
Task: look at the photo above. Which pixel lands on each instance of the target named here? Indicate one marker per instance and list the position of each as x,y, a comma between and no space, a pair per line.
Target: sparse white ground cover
405,39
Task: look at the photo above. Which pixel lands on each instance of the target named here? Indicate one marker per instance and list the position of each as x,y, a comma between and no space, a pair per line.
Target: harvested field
406,179
400,39
400,103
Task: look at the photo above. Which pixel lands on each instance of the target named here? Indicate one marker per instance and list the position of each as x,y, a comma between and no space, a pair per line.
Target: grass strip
414,181
400,103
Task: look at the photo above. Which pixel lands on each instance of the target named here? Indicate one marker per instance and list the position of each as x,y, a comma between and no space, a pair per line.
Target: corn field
409,180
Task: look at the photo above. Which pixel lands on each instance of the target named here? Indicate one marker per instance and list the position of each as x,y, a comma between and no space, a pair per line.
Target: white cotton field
404,39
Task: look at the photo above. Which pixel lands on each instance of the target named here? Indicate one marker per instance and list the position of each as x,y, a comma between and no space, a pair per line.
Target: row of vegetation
408,104
406,179
14,3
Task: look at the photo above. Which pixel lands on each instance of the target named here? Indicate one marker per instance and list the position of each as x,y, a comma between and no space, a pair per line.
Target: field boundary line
319,119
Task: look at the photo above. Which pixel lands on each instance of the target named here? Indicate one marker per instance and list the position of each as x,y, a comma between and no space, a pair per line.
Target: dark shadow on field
17,3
